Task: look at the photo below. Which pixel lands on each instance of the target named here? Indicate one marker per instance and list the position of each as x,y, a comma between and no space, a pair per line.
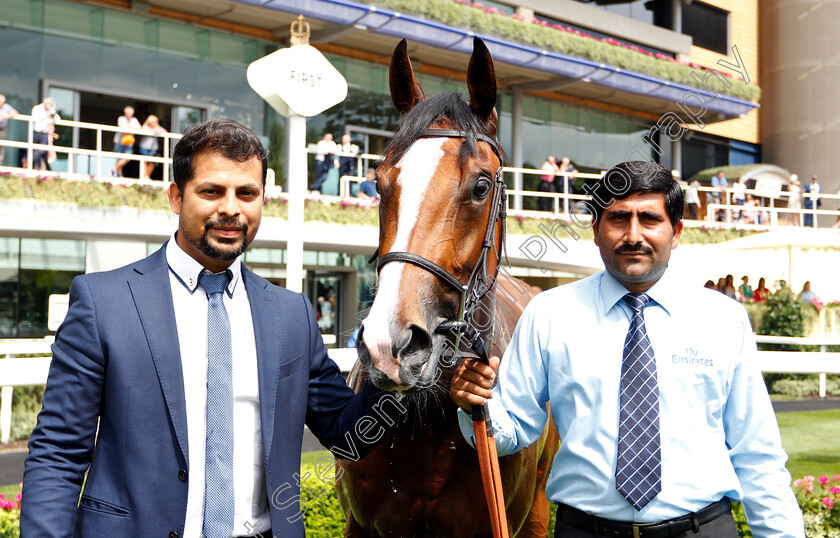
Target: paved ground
11,463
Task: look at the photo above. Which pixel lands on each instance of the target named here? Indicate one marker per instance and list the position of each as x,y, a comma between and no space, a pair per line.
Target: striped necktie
218,472
638,473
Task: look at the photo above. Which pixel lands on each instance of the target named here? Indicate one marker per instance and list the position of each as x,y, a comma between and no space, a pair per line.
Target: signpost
297,82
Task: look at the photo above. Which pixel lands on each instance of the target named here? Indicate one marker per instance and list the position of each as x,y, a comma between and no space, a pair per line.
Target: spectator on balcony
367,189
347,163
567,167
813,199
739,194
761,292
719,195
806,295
794,199
692,194
547,182
6,112
44,117
124,142
745,291
324,160
149,144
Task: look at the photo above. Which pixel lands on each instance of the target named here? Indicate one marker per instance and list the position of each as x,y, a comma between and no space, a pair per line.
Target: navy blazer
116,364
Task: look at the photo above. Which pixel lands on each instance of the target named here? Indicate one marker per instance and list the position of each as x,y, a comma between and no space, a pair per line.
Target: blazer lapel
265,316
152,294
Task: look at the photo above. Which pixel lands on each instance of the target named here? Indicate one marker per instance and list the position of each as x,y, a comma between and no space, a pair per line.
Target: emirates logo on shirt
691,358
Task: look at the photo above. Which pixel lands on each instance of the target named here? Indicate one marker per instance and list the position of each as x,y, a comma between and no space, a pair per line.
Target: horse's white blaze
417,167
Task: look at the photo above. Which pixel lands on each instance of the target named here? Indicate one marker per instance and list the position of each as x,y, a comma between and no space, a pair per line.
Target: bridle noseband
478,284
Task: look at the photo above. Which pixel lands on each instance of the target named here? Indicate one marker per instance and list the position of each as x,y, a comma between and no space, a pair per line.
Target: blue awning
437,35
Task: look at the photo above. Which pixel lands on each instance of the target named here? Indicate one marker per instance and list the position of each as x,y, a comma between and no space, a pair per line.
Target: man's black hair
226,137
630,177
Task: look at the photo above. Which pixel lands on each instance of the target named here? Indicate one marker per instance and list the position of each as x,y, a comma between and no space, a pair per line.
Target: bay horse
441,230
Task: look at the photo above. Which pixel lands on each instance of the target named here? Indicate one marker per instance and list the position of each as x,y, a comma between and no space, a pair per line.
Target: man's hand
472,382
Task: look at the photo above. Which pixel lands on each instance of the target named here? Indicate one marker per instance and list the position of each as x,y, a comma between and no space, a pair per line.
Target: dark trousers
545,204
322,168
722,527
39,155
692,211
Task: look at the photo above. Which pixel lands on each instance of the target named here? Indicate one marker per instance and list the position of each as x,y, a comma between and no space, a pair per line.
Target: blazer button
182,474
173,534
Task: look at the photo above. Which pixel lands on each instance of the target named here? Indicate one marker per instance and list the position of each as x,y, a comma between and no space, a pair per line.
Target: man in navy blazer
128,397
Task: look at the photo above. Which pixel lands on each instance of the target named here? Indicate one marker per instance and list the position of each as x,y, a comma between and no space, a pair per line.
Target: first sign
297,80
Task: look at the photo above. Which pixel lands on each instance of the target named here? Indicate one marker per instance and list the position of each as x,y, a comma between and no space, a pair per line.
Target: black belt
663,529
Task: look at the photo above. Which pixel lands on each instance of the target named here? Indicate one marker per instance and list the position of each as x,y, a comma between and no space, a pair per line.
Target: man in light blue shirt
715,436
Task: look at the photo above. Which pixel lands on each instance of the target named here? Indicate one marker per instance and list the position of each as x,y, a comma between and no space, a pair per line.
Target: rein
479,283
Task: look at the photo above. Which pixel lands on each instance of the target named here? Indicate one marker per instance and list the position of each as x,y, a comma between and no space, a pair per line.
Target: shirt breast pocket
702,397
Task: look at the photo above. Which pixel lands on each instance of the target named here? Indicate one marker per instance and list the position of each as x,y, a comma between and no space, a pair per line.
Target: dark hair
448,105
630,177
225,137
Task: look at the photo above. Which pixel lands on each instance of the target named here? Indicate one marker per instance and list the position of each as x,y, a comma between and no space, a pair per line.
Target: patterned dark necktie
218,472
638,473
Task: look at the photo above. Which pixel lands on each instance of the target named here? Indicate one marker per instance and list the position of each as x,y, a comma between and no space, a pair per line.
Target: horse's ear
481,80
405,90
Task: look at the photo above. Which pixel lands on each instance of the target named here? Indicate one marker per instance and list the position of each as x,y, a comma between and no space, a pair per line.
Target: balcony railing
95,164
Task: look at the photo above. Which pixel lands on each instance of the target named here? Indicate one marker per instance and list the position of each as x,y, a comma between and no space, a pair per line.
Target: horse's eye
481,189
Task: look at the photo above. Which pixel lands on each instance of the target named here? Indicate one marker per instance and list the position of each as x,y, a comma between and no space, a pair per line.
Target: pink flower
823,480
19,496
834,490
477,4
809,488
797,482
837,476
828,502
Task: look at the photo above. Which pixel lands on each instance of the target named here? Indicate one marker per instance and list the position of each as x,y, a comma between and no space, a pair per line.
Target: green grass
810,440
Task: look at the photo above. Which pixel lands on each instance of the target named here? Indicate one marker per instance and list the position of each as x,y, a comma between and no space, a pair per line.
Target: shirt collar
187,269
663,292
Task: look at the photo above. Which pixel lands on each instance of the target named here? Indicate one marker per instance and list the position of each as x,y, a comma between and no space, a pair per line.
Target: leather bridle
478,284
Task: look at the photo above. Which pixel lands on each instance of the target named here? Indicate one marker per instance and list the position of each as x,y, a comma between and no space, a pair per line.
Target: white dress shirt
41,119
251,514
718,431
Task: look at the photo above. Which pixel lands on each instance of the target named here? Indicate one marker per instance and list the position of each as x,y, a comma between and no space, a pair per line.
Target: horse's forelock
448,108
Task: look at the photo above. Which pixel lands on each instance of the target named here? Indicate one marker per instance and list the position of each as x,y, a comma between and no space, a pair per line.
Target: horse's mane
448,106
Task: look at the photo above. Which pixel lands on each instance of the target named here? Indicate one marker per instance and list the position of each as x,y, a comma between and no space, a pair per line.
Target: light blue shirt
718,430
719,182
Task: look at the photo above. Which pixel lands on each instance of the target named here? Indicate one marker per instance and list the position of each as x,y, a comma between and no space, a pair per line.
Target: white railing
20,372
17,372
563,203
770,212
98,155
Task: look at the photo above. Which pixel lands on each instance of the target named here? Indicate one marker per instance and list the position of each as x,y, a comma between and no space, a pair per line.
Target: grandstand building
598,81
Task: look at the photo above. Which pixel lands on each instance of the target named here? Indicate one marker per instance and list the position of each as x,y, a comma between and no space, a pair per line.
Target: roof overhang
363,27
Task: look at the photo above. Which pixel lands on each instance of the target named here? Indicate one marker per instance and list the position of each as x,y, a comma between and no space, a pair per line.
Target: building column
676,15
516,143
676,155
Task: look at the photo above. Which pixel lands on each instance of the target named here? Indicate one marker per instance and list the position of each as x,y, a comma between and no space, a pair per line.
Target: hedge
563,40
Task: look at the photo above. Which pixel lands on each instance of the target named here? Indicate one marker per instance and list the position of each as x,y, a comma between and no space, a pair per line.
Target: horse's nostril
415,339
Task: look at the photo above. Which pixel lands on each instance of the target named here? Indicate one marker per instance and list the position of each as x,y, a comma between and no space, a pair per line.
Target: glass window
30,271
708,25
